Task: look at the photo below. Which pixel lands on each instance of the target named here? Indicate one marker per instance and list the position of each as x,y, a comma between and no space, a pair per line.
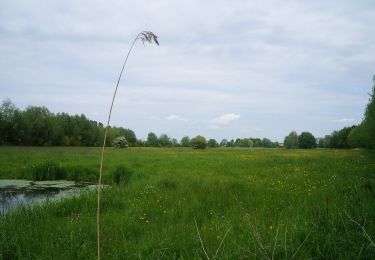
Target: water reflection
12,194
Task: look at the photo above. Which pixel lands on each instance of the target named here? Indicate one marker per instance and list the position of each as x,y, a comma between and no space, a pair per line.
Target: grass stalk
221,243
145,36
200,238
362,227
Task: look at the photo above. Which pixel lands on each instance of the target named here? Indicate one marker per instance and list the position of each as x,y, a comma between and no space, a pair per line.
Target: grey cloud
282,66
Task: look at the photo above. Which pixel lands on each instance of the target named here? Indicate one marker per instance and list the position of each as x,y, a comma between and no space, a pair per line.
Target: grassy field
243,203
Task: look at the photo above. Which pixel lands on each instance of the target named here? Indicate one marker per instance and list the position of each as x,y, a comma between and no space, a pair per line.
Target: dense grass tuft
121,175
48,170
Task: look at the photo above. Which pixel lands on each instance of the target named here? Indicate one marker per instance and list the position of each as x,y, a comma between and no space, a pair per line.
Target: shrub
199,142
120,142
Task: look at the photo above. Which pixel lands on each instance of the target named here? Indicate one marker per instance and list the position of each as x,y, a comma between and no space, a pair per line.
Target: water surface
16,192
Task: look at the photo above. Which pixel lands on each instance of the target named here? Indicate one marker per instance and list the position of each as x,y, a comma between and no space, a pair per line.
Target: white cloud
344,120
225,119
305,63
173,117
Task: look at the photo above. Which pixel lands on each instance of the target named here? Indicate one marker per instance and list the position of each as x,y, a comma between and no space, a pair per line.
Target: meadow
180,203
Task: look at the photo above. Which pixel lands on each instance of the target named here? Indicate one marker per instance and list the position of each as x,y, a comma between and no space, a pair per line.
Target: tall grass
278,204
121,175
48,170
145,36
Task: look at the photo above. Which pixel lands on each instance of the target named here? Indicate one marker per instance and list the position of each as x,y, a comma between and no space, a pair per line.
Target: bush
199,142
306,140
120,142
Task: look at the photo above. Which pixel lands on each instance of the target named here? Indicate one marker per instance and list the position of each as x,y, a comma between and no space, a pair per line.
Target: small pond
16,192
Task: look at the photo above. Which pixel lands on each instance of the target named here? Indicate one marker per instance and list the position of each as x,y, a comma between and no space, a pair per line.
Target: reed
145,37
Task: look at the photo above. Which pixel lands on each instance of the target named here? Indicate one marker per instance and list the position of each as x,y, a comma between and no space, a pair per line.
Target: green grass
275,203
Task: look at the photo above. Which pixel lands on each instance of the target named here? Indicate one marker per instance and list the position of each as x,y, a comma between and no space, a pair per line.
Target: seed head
147,36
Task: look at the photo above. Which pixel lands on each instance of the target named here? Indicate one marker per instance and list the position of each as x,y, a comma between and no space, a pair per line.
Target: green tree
325,142
246,142
185,141
130,136
291,140
231,143
152,140
306,140
224,143
268,143
175,142
164,140
140,143
339,139
212,143
38,126
199,142
256,142
357,138
369,120
7,111
363,135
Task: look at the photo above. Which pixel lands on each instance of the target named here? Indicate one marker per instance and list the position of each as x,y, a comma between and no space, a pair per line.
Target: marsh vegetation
245,203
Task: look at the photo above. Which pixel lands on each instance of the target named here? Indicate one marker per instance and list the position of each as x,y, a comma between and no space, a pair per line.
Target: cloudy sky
224,69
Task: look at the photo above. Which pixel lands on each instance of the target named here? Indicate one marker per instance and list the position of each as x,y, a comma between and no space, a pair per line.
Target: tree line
164,141
37,126
356,136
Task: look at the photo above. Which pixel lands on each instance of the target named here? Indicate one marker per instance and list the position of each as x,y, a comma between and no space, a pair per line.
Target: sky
224,69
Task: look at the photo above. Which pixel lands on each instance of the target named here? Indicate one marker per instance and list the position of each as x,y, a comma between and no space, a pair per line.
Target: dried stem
200,238
145,36
300,246
362,228
222,241
274,246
